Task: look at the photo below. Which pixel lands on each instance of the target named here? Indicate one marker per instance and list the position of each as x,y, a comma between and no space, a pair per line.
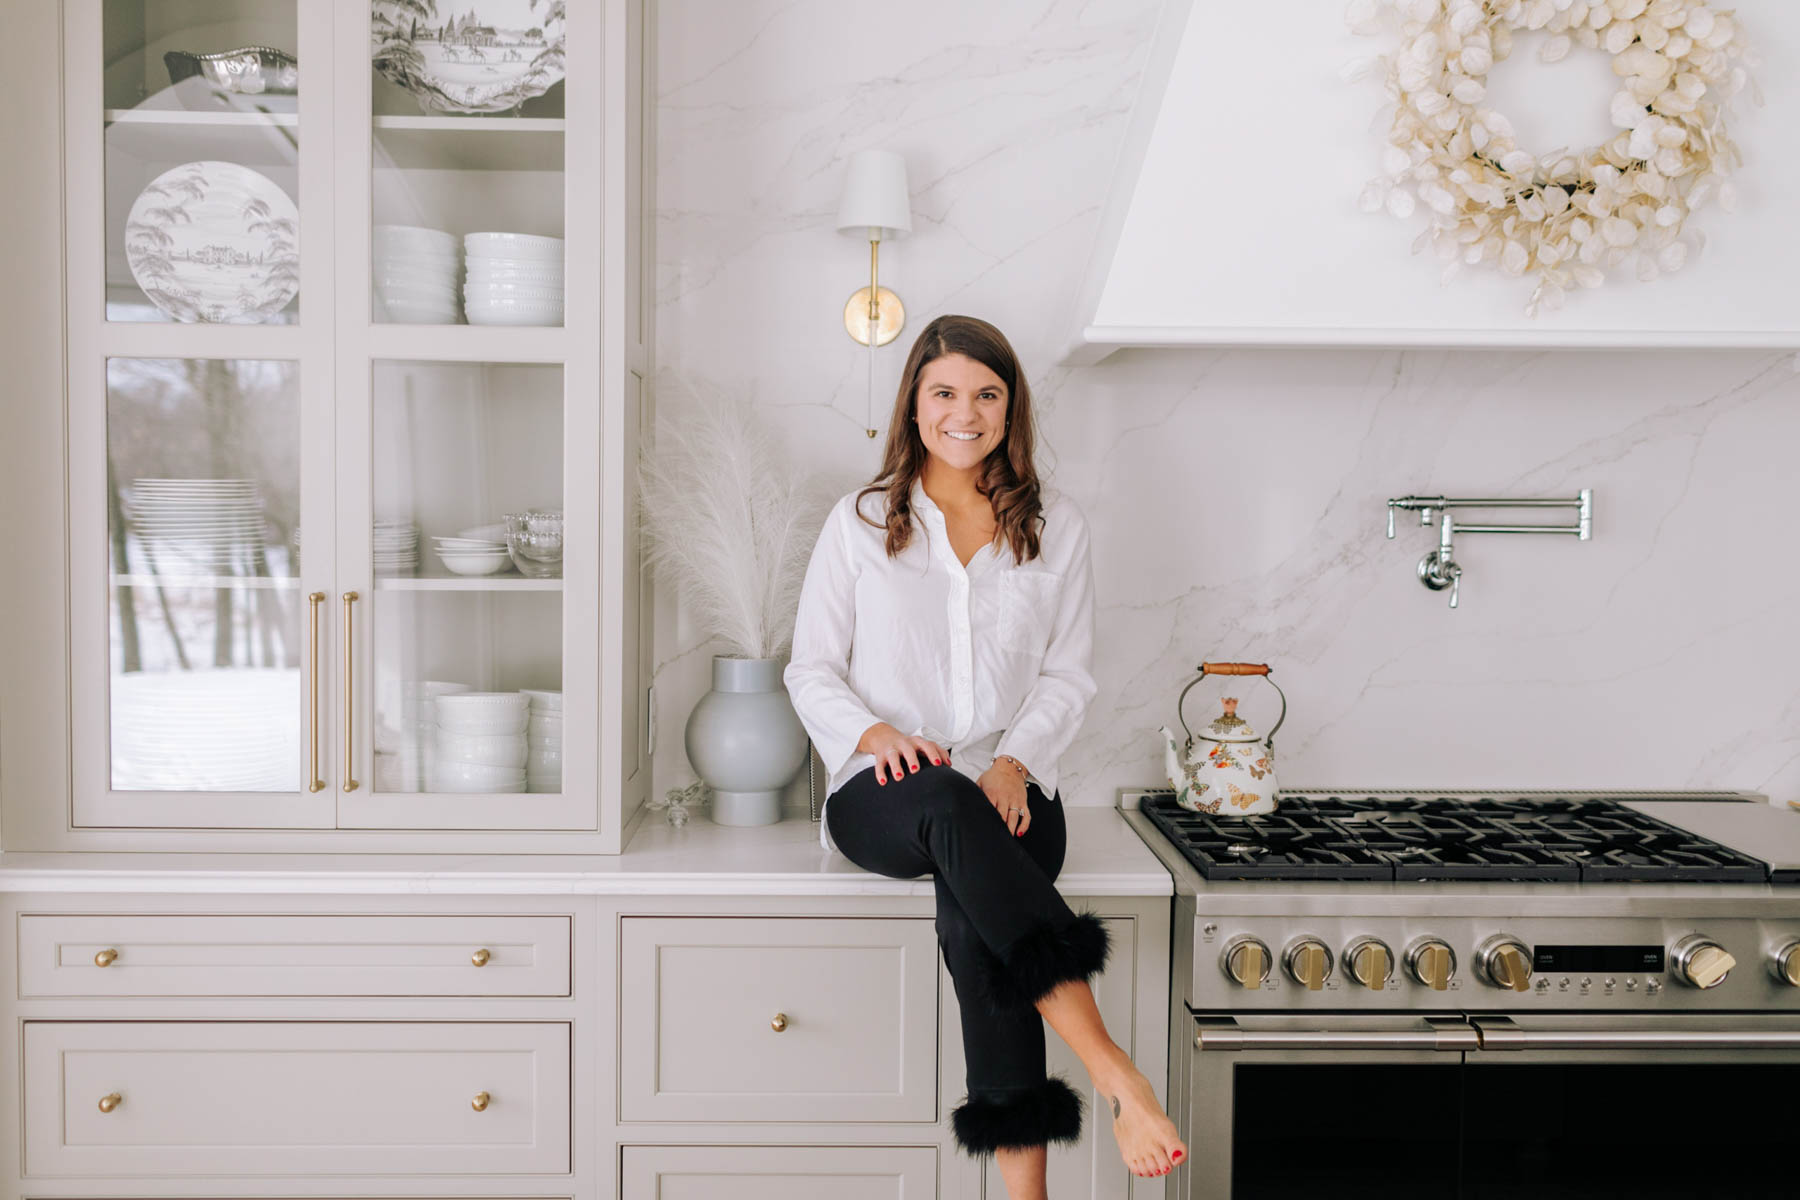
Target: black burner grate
1551,839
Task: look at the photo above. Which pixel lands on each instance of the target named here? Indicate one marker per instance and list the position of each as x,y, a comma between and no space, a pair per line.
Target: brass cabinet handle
313,782
480,1102
779,1023
106,957
350,784
481,957
110,1101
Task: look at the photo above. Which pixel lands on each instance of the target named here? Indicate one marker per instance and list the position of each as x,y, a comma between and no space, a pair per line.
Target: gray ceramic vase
745,740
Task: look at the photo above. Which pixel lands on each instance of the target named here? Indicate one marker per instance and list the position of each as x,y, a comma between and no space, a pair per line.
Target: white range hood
1233,217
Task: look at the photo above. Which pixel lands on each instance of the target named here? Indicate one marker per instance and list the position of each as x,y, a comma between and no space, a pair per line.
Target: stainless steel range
1484,995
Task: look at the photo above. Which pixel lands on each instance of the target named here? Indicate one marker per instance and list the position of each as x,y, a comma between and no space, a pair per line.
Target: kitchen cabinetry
324,1025
280,394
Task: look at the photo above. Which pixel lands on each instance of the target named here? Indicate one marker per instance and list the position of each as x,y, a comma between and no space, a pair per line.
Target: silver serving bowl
248,70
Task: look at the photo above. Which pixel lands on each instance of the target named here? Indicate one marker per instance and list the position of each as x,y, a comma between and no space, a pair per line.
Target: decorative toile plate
492,56
215,241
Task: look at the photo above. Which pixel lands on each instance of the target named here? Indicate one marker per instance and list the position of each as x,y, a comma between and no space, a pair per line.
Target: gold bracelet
1017,765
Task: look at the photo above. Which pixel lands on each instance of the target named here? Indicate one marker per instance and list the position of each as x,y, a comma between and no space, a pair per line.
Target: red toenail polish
1176,1156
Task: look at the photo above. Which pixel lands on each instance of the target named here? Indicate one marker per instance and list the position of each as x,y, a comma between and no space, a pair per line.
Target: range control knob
1309,962
1504,962
1701,962
1246,960
1370,962
1432,962
1786,964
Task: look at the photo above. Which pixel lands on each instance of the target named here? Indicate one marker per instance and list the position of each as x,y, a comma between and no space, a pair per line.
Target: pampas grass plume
726,521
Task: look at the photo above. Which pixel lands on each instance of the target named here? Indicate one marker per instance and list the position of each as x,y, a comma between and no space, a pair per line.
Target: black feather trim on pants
1045,1113
1044,958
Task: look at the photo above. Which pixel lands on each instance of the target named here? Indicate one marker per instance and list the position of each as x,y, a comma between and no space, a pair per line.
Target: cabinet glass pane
467,554
202,143
468,162
203,501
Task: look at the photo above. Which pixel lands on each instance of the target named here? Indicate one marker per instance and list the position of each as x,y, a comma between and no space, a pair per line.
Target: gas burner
1552,839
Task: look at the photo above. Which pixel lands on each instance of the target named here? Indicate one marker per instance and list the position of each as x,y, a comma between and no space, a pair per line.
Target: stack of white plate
191,524
480,743
543,760
396,547
404,750
415,272
477,551
513,279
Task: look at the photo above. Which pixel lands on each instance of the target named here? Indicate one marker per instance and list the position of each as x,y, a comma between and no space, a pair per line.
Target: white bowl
484,270
461,543
544,760
524,292
483,712
408,277
546,727
513,245
427,295
487,749
487,533
551,785
543,702
481,315
405,312
443,776
474,562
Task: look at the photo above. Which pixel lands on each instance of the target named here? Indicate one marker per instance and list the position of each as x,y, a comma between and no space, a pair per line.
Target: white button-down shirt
988,659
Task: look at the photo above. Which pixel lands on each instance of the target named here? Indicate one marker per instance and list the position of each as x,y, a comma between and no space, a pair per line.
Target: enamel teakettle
1227,768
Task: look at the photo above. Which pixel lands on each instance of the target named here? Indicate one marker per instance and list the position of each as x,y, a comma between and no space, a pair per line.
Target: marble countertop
1105,858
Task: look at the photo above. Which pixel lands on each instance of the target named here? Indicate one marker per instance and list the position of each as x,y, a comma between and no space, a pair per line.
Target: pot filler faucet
1439,569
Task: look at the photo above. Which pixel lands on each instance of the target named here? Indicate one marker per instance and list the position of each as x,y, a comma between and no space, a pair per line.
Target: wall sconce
875,206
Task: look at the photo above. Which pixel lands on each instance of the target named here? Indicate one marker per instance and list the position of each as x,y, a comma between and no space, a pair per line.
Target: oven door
1644,1106
1546,1106
1323,1106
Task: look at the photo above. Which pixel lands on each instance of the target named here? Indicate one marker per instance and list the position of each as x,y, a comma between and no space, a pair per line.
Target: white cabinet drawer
326,955
778,1173
313,1098
701,997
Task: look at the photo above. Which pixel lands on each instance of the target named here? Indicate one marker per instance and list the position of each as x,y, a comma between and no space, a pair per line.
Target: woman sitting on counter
978,639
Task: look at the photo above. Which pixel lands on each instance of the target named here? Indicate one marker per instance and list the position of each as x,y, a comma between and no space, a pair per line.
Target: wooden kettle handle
1213,668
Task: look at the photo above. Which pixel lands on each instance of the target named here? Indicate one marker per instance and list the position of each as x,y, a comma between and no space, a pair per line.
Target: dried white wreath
1567,215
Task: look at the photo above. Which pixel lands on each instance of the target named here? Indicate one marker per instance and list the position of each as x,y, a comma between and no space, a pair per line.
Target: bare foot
1148,1140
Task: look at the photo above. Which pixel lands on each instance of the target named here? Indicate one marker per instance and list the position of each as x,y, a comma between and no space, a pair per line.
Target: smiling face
961,411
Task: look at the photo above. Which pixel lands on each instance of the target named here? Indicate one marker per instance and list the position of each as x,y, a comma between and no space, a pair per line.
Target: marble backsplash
1236,496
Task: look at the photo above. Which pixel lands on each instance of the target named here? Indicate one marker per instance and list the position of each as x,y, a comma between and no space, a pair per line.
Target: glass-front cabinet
352,410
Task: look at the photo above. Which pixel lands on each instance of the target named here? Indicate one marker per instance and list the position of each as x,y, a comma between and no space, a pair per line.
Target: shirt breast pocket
1028,602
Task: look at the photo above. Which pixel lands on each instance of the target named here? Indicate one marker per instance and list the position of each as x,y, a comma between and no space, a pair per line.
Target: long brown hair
1008,474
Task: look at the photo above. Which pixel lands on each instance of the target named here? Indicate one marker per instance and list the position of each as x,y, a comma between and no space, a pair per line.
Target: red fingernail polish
938,761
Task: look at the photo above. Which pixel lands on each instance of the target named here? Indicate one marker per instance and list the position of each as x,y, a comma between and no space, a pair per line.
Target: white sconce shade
875,206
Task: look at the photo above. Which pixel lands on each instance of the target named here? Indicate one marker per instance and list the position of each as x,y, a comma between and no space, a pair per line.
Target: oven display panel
1644,960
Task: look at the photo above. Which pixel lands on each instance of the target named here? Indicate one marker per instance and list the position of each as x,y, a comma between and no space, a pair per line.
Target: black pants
1006,934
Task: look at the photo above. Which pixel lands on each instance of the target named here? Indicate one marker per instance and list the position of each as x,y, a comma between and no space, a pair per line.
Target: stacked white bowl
480,743
543,759
403,755
513,279
415,271
478,551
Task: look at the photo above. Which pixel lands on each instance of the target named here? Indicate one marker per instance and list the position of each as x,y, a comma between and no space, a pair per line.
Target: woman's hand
1005,790
895,751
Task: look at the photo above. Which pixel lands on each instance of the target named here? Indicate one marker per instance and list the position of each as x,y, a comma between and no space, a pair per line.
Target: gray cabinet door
778,1019
778,1172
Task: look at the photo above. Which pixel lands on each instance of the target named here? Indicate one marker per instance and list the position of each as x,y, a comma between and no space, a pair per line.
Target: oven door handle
1502,1034
1223,1033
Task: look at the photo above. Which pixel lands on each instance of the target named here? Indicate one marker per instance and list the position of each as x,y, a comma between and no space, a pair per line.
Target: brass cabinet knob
106,958
779,1023
481,957
1246,961
1309,962
1701,962
1786,964
110,1101
1371,963
1504,962
480,1102
1431,962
